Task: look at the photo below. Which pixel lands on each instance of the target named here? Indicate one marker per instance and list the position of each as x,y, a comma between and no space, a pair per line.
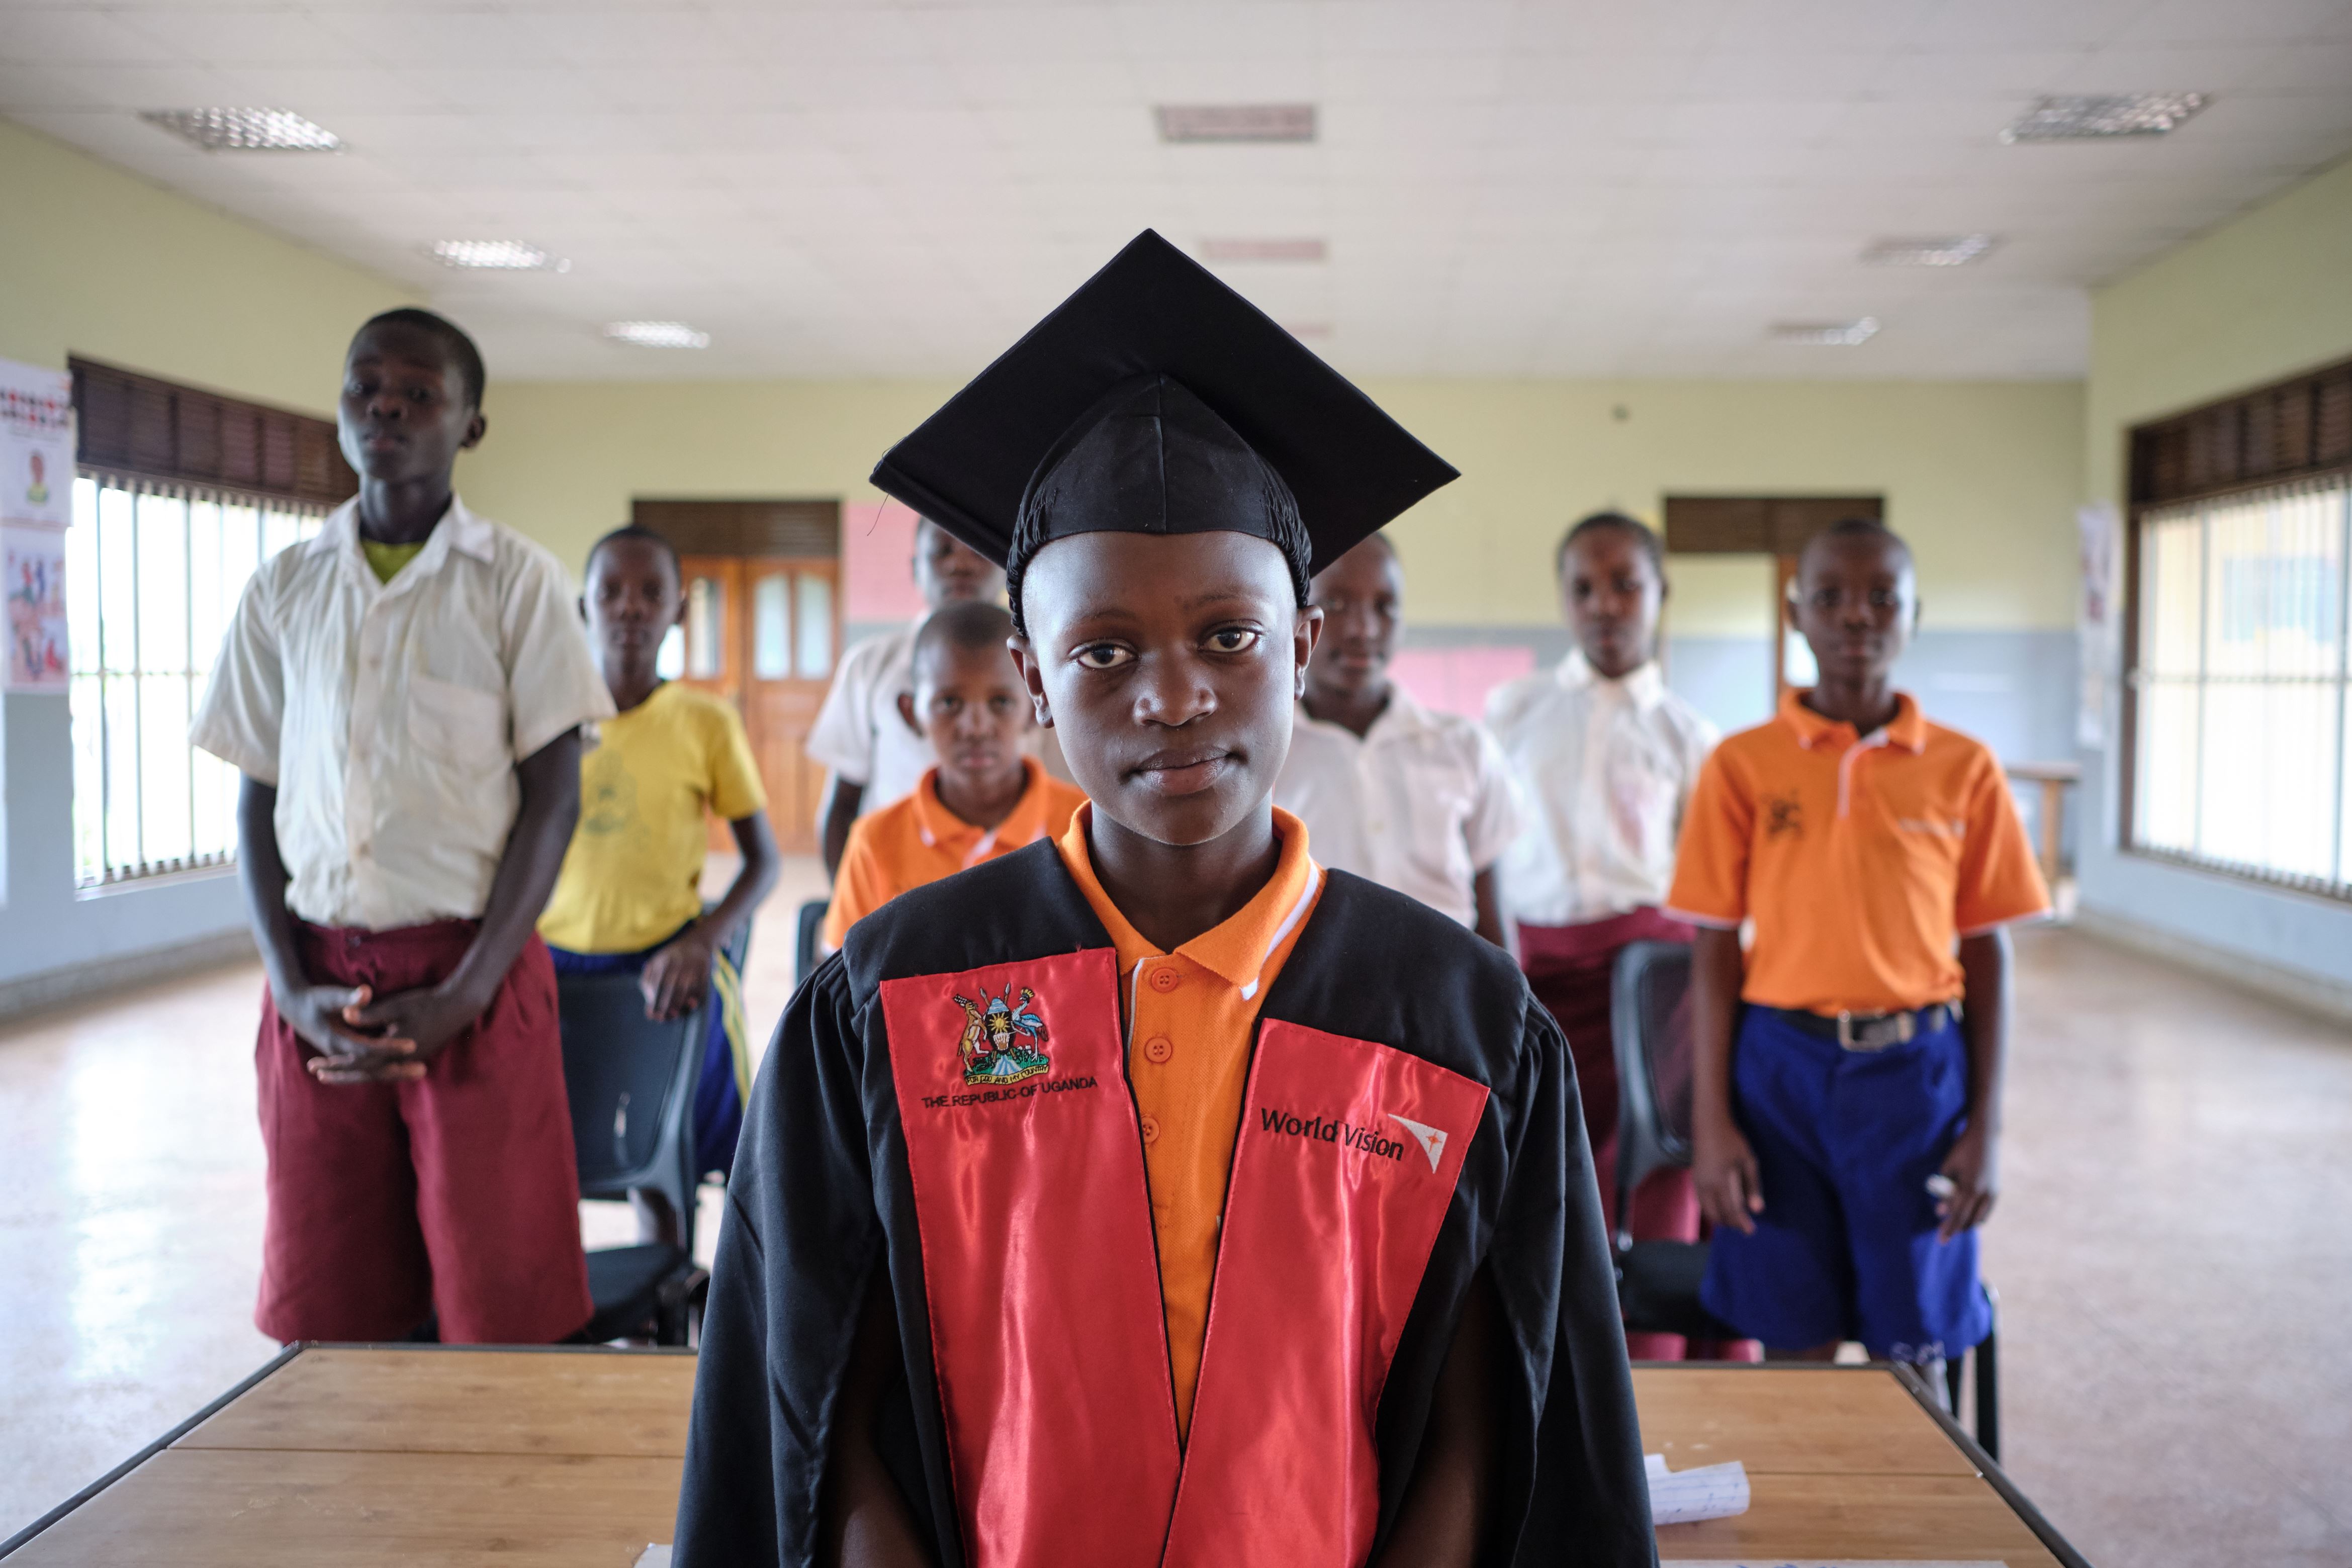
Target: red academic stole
1043,1280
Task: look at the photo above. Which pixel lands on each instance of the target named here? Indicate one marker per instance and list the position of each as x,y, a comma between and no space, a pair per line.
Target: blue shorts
1846,1246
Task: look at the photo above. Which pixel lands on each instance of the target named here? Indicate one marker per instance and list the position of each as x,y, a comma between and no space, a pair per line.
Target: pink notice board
1457,680
877,552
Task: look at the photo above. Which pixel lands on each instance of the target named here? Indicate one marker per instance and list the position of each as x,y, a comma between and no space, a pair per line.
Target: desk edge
2018,1504
23,1537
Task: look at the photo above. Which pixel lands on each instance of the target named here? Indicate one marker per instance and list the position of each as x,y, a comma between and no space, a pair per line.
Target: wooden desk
1842,1461
514,1459
2054,778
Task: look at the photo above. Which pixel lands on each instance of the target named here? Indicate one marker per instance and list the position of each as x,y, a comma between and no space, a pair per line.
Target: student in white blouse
1606,758
1415,800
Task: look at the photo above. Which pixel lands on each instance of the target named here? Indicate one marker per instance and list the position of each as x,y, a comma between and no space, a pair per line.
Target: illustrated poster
37,446
33,594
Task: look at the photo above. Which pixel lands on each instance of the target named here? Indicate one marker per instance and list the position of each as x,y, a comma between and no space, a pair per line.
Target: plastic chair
812,926
1658,1281
631,1084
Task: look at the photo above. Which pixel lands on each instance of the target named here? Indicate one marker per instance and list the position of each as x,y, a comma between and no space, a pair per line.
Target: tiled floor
2173,1252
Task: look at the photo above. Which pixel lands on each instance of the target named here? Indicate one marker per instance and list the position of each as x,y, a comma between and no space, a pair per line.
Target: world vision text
1326,1130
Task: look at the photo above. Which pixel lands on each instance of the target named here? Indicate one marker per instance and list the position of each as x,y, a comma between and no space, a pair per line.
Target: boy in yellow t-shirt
629,894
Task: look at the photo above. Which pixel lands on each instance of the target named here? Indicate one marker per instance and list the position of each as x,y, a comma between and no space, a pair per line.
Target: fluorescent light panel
1951,250
1183,123
496,255
244,130
1831,334
1217,250
2104,114
658,334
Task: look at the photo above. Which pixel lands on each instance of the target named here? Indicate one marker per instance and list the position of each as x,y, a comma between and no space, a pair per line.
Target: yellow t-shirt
634,871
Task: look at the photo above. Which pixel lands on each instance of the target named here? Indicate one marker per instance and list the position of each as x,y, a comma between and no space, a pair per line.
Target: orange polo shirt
1862,859
1191,1017
918,840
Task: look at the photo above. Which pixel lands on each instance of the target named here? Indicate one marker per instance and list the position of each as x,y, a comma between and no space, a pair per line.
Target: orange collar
1907,730
1235,951
939,826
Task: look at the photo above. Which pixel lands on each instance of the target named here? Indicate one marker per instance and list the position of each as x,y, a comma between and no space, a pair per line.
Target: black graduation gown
1027,1428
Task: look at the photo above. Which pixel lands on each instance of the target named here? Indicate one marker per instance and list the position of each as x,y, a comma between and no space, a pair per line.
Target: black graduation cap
1155,398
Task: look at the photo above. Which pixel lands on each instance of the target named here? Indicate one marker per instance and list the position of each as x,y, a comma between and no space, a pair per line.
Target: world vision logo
1370,1141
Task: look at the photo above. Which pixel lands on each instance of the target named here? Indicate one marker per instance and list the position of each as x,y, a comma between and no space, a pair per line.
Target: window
2239,690
153,570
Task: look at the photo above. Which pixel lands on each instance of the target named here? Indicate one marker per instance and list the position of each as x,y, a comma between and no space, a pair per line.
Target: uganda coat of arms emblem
1003,1040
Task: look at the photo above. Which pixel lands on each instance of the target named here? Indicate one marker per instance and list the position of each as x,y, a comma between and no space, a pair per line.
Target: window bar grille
2342,873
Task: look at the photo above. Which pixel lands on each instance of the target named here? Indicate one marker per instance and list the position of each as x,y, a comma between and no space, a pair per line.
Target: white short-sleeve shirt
1422,803
859,732
1607,768
390,716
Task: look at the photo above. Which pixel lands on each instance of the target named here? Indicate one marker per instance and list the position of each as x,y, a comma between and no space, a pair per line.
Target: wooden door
793,637
764,633
1775,525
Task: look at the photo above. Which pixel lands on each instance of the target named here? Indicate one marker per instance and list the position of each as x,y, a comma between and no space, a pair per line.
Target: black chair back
1651,1024
631,1082
811,927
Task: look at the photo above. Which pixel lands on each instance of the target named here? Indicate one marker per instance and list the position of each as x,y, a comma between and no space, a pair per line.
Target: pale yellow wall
563,459
98,263
2257,301
1984,478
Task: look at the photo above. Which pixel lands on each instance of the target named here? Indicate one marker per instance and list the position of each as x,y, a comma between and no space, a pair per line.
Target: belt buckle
1907,1027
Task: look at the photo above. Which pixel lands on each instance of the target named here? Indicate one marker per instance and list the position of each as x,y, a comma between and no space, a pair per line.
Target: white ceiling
1592,188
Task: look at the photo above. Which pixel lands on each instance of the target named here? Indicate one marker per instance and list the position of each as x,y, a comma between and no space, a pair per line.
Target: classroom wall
1983,476
2253,301
98,263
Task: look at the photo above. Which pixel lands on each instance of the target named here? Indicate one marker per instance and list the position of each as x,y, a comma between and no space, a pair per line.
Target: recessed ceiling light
496,256
1236,121
658,334
244,130
2104,114
1214,250
1951,250
1838,334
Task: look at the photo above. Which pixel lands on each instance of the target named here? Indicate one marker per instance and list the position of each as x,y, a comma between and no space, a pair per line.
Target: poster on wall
33,598
2098,628
37,446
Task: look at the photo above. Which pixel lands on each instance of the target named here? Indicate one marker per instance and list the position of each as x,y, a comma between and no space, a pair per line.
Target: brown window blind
2290,429
139,425
1758,525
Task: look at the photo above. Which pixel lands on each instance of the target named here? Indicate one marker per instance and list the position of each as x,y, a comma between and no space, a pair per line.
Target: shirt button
1158,1047
1151,1129
1165,979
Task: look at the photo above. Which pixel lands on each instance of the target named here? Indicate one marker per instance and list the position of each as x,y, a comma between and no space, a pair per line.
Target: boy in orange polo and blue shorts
1846,1101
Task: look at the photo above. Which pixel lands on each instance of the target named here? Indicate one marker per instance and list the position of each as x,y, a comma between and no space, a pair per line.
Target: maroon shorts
1569,969
456,1194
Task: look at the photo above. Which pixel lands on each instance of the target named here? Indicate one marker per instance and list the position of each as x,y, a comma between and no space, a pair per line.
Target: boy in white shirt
1606,758
1415,800
405,695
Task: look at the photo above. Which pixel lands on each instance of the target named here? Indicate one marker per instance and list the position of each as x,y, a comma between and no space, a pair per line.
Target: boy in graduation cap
1152,1195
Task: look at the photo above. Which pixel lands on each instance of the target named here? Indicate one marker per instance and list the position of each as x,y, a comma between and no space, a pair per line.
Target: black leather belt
1870,1031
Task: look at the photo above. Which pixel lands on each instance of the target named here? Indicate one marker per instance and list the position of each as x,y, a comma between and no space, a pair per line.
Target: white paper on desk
654,1556
1684,1497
